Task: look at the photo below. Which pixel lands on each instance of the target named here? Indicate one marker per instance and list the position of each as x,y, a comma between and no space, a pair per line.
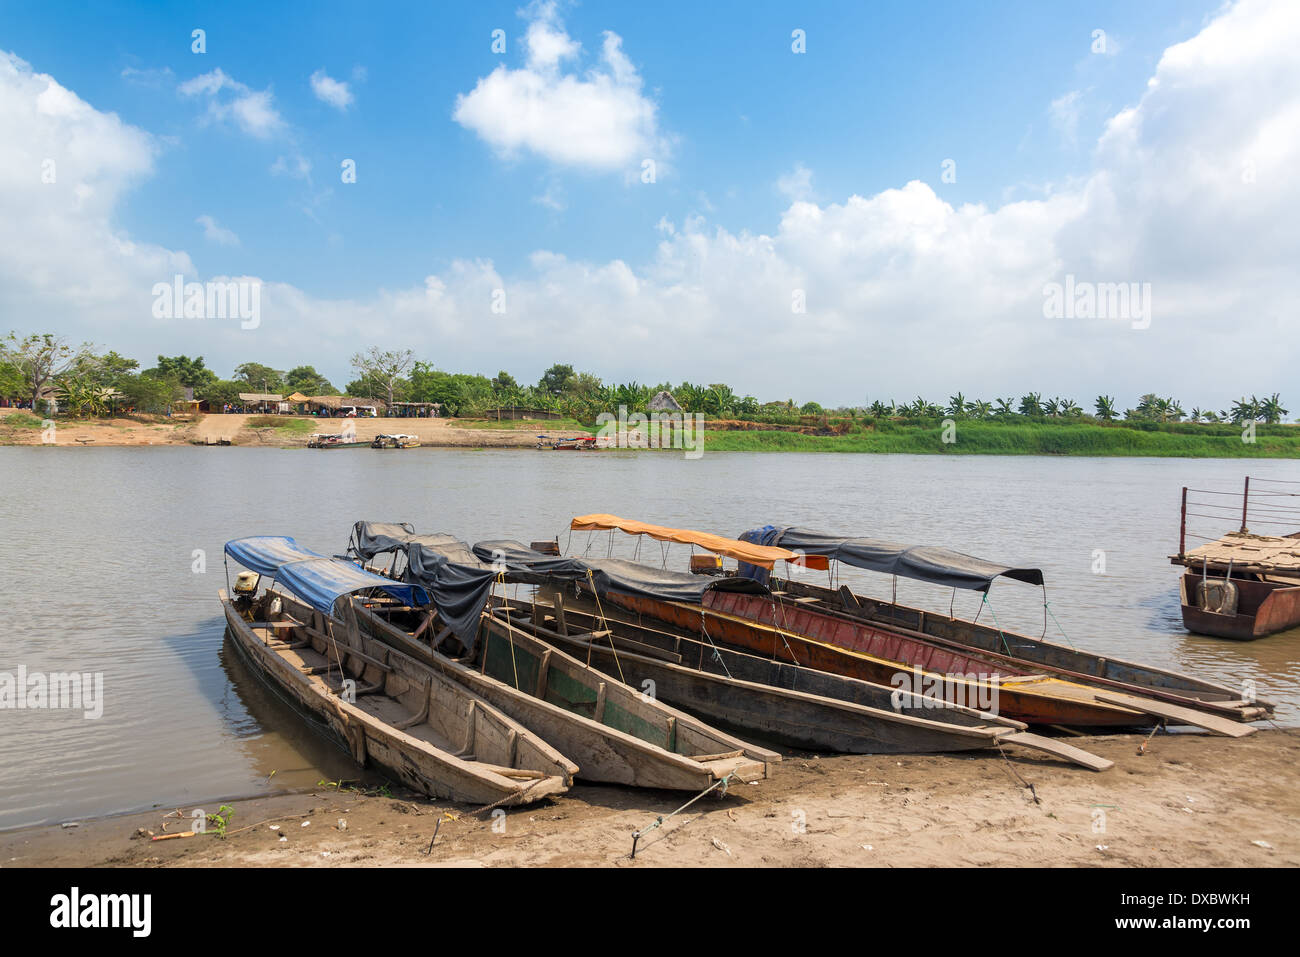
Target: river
112,559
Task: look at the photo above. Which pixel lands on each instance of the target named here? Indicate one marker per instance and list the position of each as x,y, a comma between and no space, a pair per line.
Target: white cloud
296,166
796,185
331,91
1064,112
598,120
253,111
1192,189
215,232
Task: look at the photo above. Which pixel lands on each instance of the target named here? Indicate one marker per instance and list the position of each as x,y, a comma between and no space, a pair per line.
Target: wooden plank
1179,715
1058,748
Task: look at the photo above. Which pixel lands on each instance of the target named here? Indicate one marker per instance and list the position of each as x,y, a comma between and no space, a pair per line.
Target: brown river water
102,573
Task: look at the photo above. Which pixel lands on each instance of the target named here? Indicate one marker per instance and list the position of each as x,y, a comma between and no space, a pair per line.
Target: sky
839,202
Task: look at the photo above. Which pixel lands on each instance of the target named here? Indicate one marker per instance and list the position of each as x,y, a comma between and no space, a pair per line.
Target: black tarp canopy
611,574
459,578
941,566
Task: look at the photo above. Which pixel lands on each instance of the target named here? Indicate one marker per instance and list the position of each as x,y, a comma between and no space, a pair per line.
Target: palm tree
1245,410
1004,408
1105,406
1271,409
957,405
981,409
1196,414
1031,404
1052,407
1070,408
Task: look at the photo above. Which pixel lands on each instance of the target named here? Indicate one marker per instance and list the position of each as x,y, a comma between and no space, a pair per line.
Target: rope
662,818
600,612
510,630
995,622
1012,768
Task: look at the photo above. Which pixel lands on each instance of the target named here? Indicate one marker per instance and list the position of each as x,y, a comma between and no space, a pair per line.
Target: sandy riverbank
1190,800
210,429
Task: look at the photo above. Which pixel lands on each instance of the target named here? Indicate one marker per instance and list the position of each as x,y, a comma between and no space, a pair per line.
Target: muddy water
112,559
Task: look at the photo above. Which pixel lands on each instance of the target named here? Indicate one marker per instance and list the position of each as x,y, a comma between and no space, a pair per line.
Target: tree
385,369
259,378
504,385
308,381
957,405
40,359
1031,404
1270,410
555,379
1105,406
980,409
1004,408
191,373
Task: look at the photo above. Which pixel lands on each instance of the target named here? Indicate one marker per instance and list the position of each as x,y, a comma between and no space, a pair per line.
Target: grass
22,420
289,426
1185,440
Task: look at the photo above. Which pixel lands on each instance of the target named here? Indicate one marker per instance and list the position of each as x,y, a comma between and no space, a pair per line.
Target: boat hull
408,758
1034,654
858,650
616,735
1263,608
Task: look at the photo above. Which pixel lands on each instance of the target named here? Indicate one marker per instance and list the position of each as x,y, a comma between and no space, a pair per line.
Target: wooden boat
998,646
782,702
425,729
616,734
422,727
859,650
335,440
396,441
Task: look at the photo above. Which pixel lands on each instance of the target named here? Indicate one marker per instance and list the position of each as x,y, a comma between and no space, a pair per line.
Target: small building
415,410
663,402
263,402
345,406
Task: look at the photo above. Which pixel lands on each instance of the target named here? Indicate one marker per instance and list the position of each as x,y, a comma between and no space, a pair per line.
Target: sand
1189,800
186,430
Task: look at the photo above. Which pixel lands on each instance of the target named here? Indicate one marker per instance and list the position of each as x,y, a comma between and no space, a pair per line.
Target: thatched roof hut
664,402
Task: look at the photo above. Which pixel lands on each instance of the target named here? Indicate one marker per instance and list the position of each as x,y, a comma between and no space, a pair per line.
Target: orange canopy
763,555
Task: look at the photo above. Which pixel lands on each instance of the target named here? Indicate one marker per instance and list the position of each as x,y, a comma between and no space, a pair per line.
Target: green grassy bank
972,437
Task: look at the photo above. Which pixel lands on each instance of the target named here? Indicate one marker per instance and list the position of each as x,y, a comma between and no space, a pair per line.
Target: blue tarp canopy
265,554
317,580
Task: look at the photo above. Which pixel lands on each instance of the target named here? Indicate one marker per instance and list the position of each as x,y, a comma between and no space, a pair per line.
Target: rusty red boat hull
857,650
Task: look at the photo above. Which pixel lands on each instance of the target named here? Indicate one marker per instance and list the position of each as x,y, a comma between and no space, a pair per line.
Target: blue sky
741,129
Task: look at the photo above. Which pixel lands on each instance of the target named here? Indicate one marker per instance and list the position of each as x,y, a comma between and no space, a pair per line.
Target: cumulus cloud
1192,189
253,111
215,232
330,91
796,185
598,120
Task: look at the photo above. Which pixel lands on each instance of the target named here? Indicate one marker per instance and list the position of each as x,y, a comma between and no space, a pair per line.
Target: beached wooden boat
396,440
998,646
334,440
860,650
616,733
425,729
782,702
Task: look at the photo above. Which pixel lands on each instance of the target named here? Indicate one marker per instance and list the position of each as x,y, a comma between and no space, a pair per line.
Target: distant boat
396,441
1241,586
326,440
582,443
